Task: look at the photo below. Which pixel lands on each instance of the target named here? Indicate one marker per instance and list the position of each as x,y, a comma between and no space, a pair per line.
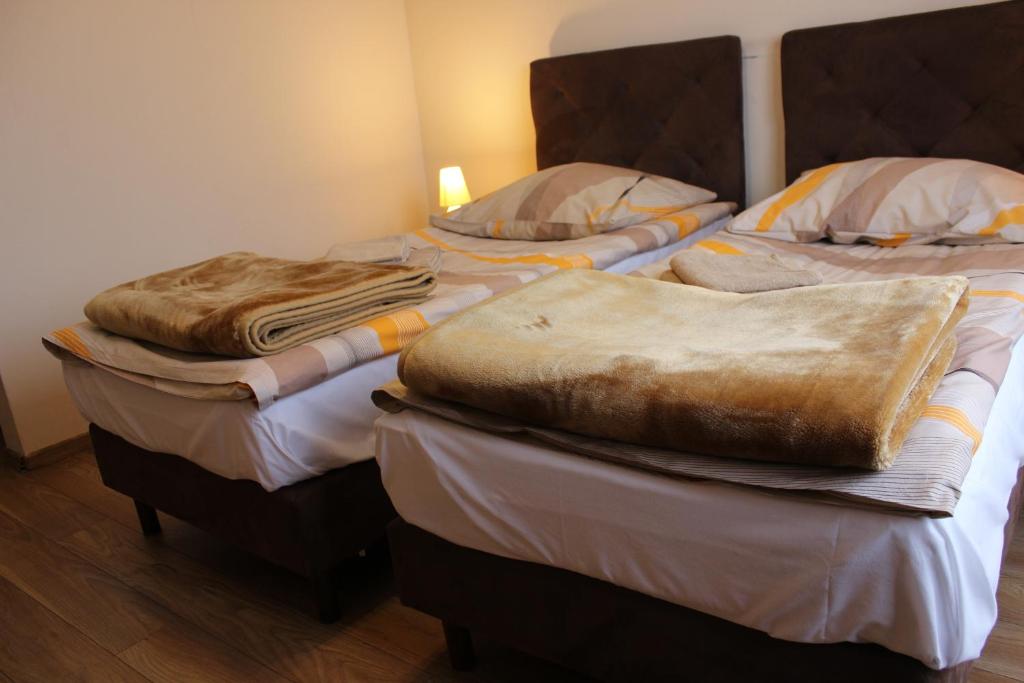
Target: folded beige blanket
245,305
829,375
738,273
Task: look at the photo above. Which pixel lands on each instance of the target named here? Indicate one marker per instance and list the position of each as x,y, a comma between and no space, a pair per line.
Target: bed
626,575
296,483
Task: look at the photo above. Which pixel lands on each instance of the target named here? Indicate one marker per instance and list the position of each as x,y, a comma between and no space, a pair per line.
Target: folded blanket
245,305
831,375
393,249
739,273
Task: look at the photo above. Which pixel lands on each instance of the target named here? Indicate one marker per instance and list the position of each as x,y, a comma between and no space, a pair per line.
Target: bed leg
379,552
148,520
460,646
328,607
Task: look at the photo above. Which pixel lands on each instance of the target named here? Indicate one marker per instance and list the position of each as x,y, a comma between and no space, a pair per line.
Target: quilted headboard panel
674,109
939,84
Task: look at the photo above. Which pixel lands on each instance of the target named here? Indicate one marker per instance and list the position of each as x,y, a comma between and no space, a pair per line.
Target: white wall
139,135
472,76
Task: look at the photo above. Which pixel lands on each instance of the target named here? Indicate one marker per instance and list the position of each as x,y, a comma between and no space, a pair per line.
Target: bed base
616,634
309,528
610,632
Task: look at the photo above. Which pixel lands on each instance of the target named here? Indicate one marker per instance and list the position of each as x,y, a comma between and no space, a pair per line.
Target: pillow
571,201
893,200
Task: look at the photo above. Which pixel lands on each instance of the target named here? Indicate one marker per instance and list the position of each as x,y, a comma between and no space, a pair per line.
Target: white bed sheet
796,569
295,438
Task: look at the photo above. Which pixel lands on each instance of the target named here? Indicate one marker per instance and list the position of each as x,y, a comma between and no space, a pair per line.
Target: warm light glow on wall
454,192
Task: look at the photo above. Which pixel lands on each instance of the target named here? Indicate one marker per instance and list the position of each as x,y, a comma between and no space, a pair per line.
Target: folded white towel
428,257
739,273
392,249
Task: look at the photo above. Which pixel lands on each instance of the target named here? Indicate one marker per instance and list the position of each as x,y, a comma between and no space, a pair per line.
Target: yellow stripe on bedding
1008,293
718,247
686,223
73,342
794,194
398,329
894,241
571,261
1004,218
957,418
636,208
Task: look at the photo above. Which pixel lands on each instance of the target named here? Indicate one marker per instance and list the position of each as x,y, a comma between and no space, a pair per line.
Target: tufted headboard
674,109
939,84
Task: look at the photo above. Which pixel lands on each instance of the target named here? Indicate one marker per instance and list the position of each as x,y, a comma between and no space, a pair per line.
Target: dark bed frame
947,83
310,527
672,109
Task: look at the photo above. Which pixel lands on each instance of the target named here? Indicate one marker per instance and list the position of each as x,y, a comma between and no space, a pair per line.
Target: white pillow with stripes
572,201
891,201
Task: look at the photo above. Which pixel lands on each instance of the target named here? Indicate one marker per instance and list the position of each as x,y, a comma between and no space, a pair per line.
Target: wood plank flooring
84,596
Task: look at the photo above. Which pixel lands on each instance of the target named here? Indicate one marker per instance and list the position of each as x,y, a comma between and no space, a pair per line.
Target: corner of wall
7,426
417,94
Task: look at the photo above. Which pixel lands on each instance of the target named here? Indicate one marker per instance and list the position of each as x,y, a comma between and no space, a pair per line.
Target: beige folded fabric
428,257
245,305
386,250
829,375
391,249
739,272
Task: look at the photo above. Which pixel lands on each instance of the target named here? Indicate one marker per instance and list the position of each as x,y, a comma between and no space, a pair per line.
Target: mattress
796,569
299,436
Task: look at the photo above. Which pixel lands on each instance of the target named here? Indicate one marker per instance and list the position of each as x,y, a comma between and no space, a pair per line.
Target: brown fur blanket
828,375
245,305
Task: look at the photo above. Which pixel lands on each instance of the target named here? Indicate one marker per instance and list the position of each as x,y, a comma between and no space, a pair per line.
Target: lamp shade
454,192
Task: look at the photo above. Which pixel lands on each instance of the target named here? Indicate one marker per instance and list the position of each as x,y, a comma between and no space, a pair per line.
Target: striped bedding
936,455
472,269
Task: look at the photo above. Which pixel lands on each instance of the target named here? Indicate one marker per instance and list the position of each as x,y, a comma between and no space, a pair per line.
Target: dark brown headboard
674,109
939,84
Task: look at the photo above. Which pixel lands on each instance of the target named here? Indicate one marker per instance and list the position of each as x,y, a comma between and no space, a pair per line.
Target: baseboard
50,454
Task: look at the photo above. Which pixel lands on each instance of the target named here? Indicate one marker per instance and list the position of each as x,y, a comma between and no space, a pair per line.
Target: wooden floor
84,596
